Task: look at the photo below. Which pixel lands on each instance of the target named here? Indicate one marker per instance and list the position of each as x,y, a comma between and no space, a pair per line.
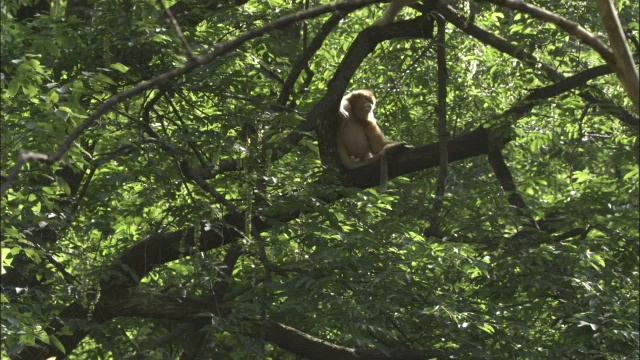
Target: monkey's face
362,103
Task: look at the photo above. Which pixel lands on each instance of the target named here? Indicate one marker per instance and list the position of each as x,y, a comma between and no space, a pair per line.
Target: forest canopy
171,187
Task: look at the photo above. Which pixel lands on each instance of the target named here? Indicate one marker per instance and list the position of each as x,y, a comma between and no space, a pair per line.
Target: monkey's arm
376,139
351,161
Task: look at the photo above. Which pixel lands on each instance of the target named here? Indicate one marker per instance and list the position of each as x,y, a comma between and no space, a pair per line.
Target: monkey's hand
345,109
344,114
398,147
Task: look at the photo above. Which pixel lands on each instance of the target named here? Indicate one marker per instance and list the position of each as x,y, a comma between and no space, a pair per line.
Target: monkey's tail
384,173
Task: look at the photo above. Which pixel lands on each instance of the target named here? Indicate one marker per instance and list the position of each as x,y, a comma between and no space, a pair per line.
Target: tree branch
502,173
624,65
172,20
310,347
471,144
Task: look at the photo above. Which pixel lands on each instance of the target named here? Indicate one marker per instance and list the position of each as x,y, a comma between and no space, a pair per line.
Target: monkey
360,141
392,11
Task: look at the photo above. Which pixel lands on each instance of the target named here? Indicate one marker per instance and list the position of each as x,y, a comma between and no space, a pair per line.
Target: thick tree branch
474,143
200,312
221,286
168,307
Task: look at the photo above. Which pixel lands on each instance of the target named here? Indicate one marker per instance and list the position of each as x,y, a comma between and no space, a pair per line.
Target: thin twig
176,26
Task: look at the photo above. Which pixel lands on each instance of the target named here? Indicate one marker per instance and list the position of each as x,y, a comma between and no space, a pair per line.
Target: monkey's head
358,104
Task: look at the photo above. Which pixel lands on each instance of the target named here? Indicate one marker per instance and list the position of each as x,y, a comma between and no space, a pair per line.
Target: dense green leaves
185,222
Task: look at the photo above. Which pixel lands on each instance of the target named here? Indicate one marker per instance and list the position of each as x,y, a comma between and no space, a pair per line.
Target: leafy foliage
176,226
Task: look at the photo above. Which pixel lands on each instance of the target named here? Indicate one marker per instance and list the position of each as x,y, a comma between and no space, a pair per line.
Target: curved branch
566,85
200,312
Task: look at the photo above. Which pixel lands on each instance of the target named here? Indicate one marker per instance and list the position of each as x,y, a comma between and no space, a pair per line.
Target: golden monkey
392,11
360,140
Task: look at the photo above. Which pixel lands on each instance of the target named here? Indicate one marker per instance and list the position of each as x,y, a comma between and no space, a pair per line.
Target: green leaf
120,67
57,343
487,328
